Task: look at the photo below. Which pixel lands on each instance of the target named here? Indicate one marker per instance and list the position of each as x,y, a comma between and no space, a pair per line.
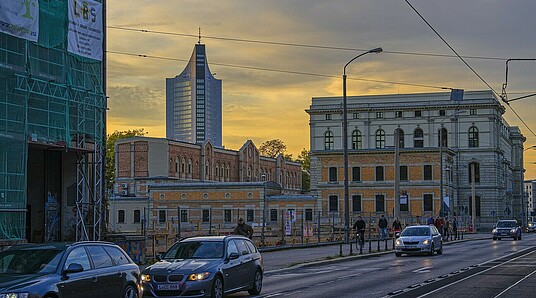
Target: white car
419,240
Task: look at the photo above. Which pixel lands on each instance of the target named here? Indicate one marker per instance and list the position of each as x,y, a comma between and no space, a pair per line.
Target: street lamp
345,145
263,209
441,212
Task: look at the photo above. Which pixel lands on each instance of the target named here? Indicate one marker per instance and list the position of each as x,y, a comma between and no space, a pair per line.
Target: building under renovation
52,120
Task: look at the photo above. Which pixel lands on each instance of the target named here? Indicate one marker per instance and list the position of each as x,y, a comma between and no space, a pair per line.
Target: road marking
422,270
505,290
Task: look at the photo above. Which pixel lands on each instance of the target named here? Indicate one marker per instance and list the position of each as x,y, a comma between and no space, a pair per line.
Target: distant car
211,266
531,227
82,269
423,239
506,229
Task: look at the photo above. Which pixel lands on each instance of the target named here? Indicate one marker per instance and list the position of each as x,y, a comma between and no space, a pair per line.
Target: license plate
168,287
411,246
504,234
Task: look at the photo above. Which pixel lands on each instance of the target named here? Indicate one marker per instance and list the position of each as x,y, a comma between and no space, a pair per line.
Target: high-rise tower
194,103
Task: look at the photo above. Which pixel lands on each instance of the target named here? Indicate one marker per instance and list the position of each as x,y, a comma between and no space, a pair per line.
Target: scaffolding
51,98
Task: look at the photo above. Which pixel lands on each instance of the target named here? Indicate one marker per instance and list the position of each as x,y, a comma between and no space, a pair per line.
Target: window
100,257
472,112
184,215
427,172
117,255
333,203
418,138
356,140
379,115
356,116
332,174
428,202
356,203
400,137
379,173
206,215
443,137
477,205
442,113
418,114
227,215
380,202
380,139
356,173
273,214
328,116
404,173
121,216
161,216
78,255
398,114
250,215
137,216
476,167
473,137
308,214
328,140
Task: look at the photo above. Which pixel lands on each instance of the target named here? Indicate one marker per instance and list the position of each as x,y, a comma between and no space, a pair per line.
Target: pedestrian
359,227
455,227
447,229
382,224
397,226
439,224
243,229
431,220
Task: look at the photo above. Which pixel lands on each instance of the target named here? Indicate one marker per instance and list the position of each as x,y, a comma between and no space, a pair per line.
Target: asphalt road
478,268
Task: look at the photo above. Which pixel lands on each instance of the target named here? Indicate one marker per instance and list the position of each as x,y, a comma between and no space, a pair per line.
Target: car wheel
432,249
440,251
494,238
217,288
499,239
398,254
519,238
257,284
130,292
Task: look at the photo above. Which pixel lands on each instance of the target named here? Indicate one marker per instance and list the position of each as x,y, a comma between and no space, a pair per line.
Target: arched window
400,137
418,138
328,140
380,139
356,140
443,137
190,166
473,137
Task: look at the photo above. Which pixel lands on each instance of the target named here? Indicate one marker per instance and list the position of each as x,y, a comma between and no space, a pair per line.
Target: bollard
351,251
462,234
340,249
378,245
361,248
385,244
370,245
394,243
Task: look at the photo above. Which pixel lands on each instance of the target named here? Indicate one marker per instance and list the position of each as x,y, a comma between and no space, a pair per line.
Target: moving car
211,266
506,229
423,239
82,269
531,227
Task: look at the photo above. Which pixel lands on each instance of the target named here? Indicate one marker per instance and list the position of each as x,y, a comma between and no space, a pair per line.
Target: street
478,268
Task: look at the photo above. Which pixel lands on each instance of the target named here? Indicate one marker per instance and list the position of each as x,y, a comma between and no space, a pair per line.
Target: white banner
85,29
20,18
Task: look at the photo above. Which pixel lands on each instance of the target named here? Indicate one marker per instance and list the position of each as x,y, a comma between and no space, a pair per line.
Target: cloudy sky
274,56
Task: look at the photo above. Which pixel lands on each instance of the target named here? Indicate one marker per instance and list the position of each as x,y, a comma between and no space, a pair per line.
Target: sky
275,56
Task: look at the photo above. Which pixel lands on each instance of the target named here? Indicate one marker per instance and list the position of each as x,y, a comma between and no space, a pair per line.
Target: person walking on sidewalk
382,224
454,227
447,229
439,224
359,227
243,229
397,226
431,220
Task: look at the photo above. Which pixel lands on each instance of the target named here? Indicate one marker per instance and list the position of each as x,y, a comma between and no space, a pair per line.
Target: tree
305,161
273,148
110,151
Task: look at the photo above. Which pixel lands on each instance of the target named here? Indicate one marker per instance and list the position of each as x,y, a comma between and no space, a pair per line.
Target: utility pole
396,212
473,200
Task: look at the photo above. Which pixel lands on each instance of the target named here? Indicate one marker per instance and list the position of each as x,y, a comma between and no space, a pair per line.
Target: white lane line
422,270
506,290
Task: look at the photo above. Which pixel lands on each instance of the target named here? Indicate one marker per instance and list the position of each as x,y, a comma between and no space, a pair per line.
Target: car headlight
198,276
14,295
494,231
512,230
426,242
145,278
398,242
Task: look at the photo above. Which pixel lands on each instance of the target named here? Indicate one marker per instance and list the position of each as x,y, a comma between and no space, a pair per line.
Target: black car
81,269
210,266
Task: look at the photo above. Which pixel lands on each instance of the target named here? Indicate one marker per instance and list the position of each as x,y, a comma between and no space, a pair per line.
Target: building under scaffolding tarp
52,134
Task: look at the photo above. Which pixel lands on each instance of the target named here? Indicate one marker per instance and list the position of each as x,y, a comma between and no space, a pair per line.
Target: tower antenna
199,41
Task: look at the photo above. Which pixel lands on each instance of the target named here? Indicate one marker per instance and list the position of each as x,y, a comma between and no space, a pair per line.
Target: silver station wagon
419,240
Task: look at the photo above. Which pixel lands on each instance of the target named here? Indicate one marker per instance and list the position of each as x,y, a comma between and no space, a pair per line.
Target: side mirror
233,256
397,234
73,268
159,257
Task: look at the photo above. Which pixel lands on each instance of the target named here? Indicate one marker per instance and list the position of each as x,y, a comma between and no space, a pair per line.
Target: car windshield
30,261
417,231
506,224
196,250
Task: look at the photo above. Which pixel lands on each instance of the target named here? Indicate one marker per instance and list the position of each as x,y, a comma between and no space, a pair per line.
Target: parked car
506,229
211,266
81,269
531,227
423,239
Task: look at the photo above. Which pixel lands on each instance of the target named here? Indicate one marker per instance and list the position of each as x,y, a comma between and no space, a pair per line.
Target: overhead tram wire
313,46
282,71
467,64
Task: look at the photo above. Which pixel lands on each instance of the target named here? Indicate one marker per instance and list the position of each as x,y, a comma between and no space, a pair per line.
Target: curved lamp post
345,145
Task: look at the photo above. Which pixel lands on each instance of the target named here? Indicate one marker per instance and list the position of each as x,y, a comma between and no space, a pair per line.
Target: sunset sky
274,56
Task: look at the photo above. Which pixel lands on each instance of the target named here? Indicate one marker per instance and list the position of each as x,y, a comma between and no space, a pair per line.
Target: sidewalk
299,256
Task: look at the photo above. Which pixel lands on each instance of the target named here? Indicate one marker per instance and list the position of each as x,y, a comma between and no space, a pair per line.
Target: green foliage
305,161
110,151
273,148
